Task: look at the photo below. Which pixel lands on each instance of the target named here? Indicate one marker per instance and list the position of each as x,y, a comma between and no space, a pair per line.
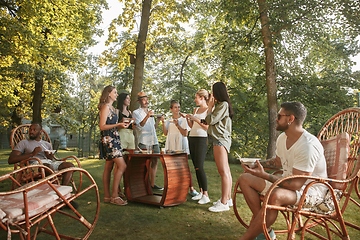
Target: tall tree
158,18
140,53
42,41
270,76
280,25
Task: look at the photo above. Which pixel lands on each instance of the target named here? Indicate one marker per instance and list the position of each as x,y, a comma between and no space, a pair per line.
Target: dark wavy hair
221,94
120,100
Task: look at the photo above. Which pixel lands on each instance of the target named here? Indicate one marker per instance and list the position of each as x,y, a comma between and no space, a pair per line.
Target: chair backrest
346,121
336,151
21,132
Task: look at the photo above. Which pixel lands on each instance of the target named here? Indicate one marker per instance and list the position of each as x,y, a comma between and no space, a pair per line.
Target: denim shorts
212,141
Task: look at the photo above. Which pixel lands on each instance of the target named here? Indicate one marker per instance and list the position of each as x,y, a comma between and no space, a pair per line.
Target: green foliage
313,41
42,40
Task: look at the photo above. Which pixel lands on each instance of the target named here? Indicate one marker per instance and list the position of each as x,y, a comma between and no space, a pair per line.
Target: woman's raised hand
211,100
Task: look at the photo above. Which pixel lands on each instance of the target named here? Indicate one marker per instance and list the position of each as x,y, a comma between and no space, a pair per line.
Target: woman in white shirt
176,131
198,142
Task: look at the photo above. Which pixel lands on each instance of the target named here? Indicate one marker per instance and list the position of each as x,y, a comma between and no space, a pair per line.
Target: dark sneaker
155,187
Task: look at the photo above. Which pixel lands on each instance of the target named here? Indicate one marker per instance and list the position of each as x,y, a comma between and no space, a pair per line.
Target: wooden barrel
176,178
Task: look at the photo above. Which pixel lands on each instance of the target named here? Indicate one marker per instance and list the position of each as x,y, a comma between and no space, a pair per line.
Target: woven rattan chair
342,128
38,207
22,132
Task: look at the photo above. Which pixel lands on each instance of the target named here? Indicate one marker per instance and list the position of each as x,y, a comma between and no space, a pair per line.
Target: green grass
185,221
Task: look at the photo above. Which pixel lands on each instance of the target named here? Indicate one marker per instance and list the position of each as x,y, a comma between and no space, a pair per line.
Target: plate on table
179,151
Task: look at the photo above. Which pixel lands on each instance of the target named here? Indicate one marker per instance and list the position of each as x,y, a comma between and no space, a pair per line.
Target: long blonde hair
104,99
203,93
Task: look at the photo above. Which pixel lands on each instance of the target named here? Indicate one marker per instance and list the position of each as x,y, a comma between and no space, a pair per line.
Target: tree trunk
37,98
181,78
270,77
140,54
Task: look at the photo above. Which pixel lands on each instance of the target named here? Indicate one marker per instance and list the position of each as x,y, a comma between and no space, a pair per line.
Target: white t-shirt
28,146
175,140
197,130
306,154
147,133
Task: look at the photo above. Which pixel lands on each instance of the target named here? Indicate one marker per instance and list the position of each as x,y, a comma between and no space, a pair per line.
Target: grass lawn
185,221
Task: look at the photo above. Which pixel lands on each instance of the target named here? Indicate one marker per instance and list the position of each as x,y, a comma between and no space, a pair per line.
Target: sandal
107,199
118,201
122,195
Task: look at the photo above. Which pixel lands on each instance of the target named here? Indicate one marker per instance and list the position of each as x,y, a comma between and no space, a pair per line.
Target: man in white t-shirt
35,147
146,132
298,153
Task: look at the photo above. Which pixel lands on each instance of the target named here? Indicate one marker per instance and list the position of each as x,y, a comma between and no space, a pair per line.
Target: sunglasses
280,115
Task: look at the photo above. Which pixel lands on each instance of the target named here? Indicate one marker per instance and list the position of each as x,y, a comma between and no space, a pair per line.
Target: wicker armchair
340,138
31,209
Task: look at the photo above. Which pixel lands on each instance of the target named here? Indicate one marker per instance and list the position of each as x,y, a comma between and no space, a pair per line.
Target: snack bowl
50,151
249,161
158,115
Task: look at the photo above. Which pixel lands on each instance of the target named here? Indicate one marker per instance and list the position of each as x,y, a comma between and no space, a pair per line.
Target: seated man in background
298,153
35,147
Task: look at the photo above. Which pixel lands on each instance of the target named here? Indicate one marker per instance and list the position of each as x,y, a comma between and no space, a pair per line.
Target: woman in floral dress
110,145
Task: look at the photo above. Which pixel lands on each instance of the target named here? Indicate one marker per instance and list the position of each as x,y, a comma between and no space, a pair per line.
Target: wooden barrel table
176,178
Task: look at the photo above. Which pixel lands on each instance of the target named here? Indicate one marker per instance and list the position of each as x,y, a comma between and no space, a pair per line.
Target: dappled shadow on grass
188,220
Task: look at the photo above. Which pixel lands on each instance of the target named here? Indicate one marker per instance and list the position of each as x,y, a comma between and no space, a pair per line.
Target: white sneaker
229,202
197,197
204,200
219,207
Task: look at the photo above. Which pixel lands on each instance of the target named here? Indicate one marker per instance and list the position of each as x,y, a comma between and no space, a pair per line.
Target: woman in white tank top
198,143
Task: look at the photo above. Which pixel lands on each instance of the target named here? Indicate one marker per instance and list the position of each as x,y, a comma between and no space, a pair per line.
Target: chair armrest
316,180
26,162
15,175
70,157
52,177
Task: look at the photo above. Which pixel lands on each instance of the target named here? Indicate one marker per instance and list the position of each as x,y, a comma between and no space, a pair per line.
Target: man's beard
282,128
33,137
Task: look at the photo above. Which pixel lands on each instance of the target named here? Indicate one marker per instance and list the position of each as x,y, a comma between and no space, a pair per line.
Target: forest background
48,74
